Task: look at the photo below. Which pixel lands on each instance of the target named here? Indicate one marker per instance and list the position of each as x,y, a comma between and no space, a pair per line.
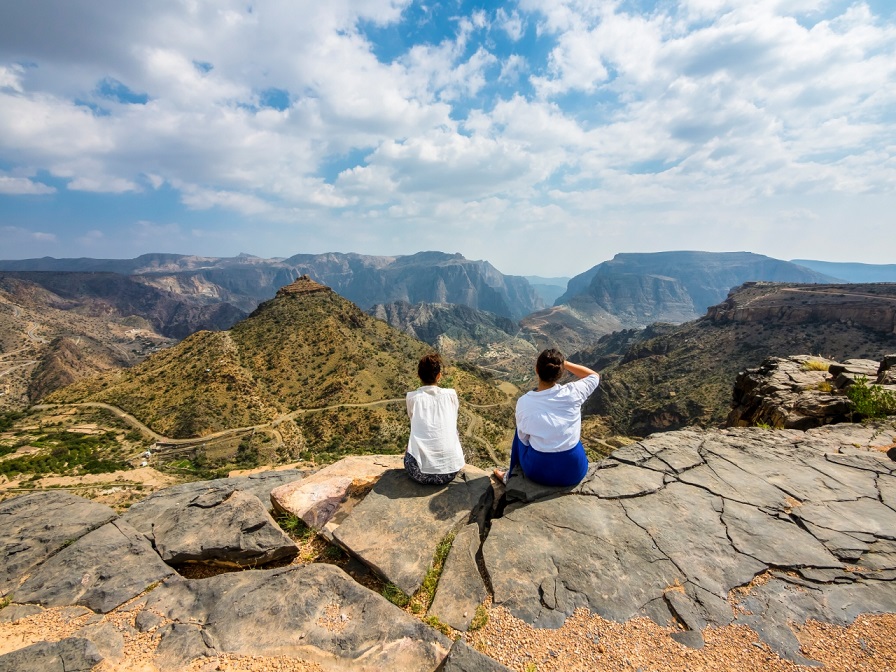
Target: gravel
586,642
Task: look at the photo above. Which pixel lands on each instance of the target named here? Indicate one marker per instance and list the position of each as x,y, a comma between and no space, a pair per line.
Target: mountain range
245,281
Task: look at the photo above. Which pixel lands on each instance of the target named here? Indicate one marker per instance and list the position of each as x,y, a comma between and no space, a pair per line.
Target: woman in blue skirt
547,444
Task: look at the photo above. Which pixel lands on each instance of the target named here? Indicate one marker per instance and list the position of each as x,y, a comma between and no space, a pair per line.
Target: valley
310,377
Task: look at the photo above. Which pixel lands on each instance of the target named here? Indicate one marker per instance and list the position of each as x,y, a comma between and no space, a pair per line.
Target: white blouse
434,442
551,420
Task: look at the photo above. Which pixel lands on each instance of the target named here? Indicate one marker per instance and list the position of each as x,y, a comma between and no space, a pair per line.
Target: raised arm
578,370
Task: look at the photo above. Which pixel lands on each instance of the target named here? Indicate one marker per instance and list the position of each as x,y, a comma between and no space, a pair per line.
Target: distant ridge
852,272
367,280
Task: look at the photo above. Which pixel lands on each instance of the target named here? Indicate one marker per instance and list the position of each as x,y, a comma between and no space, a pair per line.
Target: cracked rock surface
746,526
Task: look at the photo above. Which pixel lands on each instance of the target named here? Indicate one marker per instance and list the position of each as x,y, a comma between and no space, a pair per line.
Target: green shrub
871,401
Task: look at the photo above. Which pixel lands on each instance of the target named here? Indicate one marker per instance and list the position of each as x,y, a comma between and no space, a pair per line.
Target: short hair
549,366
429,368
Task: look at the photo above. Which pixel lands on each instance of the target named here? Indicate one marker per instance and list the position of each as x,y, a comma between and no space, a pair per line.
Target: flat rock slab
225,528
461,589
464,658
100,571
314,612
621,481
72,654
324,499
162,503
548,558
33,527
397,527
814,509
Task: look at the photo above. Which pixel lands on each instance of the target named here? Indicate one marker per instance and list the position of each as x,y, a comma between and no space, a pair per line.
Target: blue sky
542,135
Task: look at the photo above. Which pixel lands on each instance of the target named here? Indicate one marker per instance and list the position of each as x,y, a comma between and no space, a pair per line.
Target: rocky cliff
245,281
675,286
667,377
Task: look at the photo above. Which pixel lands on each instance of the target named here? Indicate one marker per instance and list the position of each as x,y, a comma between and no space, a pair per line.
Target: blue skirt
556,469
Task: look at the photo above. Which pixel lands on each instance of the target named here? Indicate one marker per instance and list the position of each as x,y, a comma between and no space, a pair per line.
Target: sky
542,135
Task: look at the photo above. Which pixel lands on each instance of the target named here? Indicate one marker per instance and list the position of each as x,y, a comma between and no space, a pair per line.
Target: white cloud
23,186
511,23
687,111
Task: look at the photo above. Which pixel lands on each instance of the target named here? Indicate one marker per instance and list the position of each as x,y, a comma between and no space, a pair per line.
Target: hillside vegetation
315,375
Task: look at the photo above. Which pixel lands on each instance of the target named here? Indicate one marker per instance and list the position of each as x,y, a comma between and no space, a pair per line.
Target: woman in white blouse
434,454
547,443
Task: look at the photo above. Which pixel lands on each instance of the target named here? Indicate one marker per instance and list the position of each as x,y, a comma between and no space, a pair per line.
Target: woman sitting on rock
547,443
434,454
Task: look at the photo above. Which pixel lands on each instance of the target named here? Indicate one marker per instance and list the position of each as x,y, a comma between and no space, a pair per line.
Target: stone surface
161,504
397,527
101,570
623,481
813,510
225,528
461,589
15,612
72,654
324,499
547,558
35,526
464,658
315,612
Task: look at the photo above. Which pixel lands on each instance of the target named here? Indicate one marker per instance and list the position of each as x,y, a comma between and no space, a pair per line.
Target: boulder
219,522
219,527
162,503
34,527
101,570
313,612
397,527
324,499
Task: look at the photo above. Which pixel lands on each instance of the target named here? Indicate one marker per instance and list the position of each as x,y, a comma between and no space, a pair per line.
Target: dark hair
549,366
429,368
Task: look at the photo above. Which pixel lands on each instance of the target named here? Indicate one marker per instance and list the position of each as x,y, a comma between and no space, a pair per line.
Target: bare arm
578,370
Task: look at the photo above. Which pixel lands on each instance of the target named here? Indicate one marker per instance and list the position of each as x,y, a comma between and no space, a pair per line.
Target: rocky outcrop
801,510
801,391
693,529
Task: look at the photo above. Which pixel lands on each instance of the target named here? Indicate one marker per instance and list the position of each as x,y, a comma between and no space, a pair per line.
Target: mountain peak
303,285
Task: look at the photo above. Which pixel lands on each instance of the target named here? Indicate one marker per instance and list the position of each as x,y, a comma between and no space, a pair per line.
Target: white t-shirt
551,420
434,442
